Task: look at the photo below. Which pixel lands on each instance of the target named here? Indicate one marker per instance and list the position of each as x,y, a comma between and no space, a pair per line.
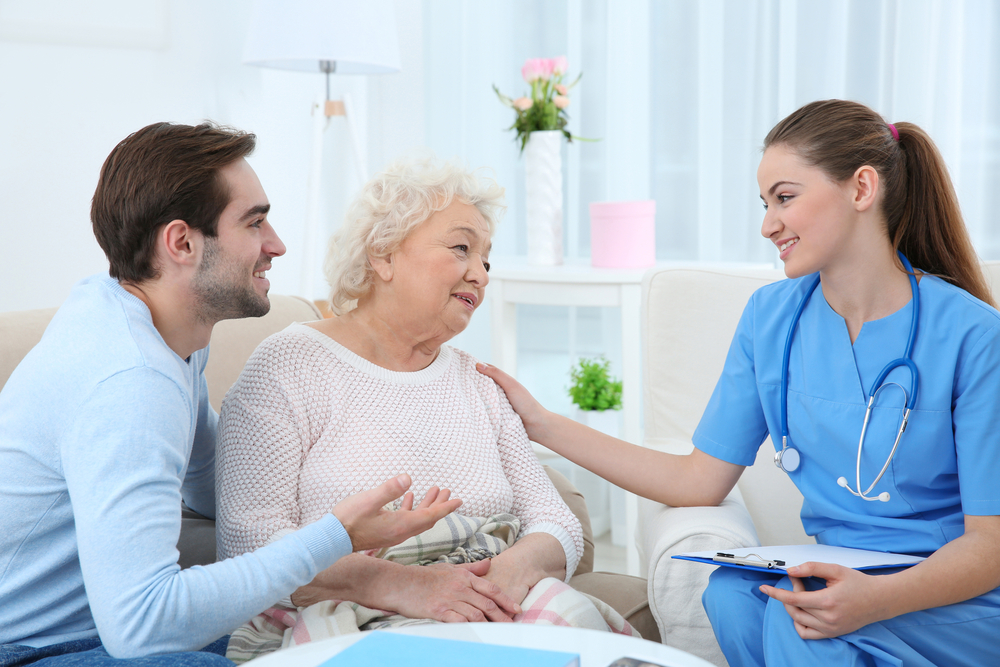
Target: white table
576,283
596,649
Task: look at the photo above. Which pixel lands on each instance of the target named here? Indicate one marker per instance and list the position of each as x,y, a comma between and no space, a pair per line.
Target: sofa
689,317
231,345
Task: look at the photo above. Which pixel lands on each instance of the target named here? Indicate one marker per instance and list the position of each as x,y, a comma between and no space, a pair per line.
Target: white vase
543,197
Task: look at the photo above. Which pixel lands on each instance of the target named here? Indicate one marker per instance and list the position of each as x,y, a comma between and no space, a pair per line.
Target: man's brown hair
161,173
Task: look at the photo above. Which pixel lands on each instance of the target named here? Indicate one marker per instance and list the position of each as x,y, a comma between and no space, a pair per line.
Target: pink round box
623,234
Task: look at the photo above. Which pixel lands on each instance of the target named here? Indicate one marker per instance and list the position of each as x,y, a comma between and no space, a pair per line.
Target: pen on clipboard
752,560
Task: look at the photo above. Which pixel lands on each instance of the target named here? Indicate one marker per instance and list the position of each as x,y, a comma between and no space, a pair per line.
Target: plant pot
605,421
623,234
544,197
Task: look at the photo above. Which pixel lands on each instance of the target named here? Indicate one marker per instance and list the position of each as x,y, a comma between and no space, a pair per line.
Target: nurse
851,201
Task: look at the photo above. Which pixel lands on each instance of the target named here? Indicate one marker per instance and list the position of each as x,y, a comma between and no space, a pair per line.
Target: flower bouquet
545,109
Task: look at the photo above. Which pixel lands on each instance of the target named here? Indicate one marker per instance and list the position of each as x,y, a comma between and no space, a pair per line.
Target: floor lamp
327,37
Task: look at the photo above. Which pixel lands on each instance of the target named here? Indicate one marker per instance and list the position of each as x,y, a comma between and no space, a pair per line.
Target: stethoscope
788,458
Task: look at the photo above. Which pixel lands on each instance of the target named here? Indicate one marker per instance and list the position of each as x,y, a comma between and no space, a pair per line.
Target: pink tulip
547,66
561,89
532,70
559,65
536,68
561,101
523,103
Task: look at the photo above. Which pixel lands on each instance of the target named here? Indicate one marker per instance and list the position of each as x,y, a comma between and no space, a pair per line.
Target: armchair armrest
674,587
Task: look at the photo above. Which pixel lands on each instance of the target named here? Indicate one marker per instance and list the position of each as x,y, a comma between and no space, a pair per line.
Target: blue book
390,648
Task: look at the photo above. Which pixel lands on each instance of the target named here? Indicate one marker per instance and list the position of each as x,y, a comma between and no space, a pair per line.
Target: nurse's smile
785,246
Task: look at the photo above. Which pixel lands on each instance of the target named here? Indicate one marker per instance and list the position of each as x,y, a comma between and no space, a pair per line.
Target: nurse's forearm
680,481
964,568
696,479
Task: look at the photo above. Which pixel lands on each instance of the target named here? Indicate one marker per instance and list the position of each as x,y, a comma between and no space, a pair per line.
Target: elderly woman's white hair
389,207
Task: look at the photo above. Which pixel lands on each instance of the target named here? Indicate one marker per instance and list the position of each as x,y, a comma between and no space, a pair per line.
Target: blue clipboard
778,559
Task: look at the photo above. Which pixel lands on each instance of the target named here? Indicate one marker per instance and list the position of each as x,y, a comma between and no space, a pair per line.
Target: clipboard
778,559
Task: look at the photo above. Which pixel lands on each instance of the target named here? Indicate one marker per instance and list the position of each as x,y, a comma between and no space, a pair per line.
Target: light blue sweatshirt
103,431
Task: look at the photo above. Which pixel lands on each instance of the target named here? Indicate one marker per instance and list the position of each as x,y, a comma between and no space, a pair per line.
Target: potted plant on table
596,394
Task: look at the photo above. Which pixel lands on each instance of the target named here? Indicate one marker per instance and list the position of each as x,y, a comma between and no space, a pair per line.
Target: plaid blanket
455,539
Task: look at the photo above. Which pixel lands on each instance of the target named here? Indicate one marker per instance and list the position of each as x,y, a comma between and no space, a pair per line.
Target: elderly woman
329,408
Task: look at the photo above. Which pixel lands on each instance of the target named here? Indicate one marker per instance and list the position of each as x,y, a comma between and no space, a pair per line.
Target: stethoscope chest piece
787,458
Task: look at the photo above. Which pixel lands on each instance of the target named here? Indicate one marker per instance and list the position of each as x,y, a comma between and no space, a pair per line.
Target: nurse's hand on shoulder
530,411
851,600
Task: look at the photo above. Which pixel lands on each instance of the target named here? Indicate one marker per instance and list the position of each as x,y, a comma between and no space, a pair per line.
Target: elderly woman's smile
439,272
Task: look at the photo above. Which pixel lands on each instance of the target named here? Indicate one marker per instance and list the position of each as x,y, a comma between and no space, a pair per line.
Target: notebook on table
390,648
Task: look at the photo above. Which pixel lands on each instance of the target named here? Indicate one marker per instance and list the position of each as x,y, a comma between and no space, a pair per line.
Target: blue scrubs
946,464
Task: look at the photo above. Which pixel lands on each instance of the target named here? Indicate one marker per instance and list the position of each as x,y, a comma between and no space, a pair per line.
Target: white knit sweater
309,423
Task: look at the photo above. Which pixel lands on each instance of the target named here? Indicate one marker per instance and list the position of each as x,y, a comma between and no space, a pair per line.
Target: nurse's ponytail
919,203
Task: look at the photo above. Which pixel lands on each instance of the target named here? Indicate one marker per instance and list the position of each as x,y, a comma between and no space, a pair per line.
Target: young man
105,427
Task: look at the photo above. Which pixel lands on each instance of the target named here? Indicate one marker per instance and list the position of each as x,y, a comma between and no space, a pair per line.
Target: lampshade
358,35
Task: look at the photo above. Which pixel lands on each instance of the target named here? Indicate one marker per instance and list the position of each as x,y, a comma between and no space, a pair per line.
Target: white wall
76,78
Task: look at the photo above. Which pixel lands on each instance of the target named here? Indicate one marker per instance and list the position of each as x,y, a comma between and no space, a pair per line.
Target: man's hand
850,600
372,527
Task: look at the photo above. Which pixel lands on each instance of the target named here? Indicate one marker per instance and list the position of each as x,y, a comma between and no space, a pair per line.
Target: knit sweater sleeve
537,503
264,439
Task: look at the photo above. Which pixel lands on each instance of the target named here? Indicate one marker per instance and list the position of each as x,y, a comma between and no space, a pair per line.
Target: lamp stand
312,234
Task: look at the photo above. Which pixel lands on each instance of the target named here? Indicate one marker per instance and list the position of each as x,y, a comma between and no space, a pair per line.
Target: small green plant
593,387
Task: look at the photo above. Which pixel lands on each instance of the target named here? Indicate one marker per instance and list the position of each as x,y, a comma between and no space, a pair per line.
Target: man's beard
223,290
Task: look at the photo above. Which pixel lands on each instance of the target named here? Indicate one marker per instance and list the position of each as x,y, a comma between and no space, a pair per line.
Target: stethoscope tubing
877,386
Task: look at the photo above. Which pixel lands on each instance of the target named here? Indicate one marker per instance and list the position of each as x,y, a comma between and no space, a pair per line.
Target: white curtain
680,95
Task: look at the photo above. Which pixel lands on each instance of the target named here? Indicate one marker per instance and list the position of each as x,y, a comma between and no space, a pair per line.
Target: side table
513,281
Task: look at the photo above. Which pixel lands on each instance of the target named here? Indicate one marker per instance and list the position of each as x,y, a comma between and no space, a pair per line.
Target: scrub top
947,460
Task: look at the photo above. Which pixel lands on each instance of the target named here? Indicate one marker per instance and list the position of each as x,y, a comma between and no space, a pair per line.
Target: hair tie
895,132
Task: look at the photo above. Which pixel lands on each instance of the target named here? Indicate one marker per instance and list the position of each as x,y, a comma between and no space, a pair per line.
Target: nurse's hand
531,412
851,600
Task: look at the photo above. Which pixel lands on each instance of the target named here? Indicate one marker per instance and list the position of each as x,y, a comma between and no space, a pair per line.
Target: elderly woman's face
439,272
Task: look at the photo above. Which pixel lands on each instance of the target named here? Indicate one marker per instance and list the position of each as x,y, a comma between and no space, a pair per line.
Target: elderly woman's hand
531,559
451,594
448,593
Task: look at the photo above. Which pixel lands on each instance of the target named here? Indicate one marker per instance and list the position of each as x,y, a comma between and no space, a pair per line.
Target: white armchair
689,317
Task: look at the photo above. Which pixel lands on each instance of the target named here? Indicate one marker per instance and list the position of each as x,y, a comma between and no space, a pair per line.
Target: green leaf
503,98
593,387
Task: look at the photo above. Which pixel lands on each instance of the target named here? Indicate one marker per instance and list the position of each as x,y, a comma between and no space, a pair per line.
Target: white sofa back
689,317
233,341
